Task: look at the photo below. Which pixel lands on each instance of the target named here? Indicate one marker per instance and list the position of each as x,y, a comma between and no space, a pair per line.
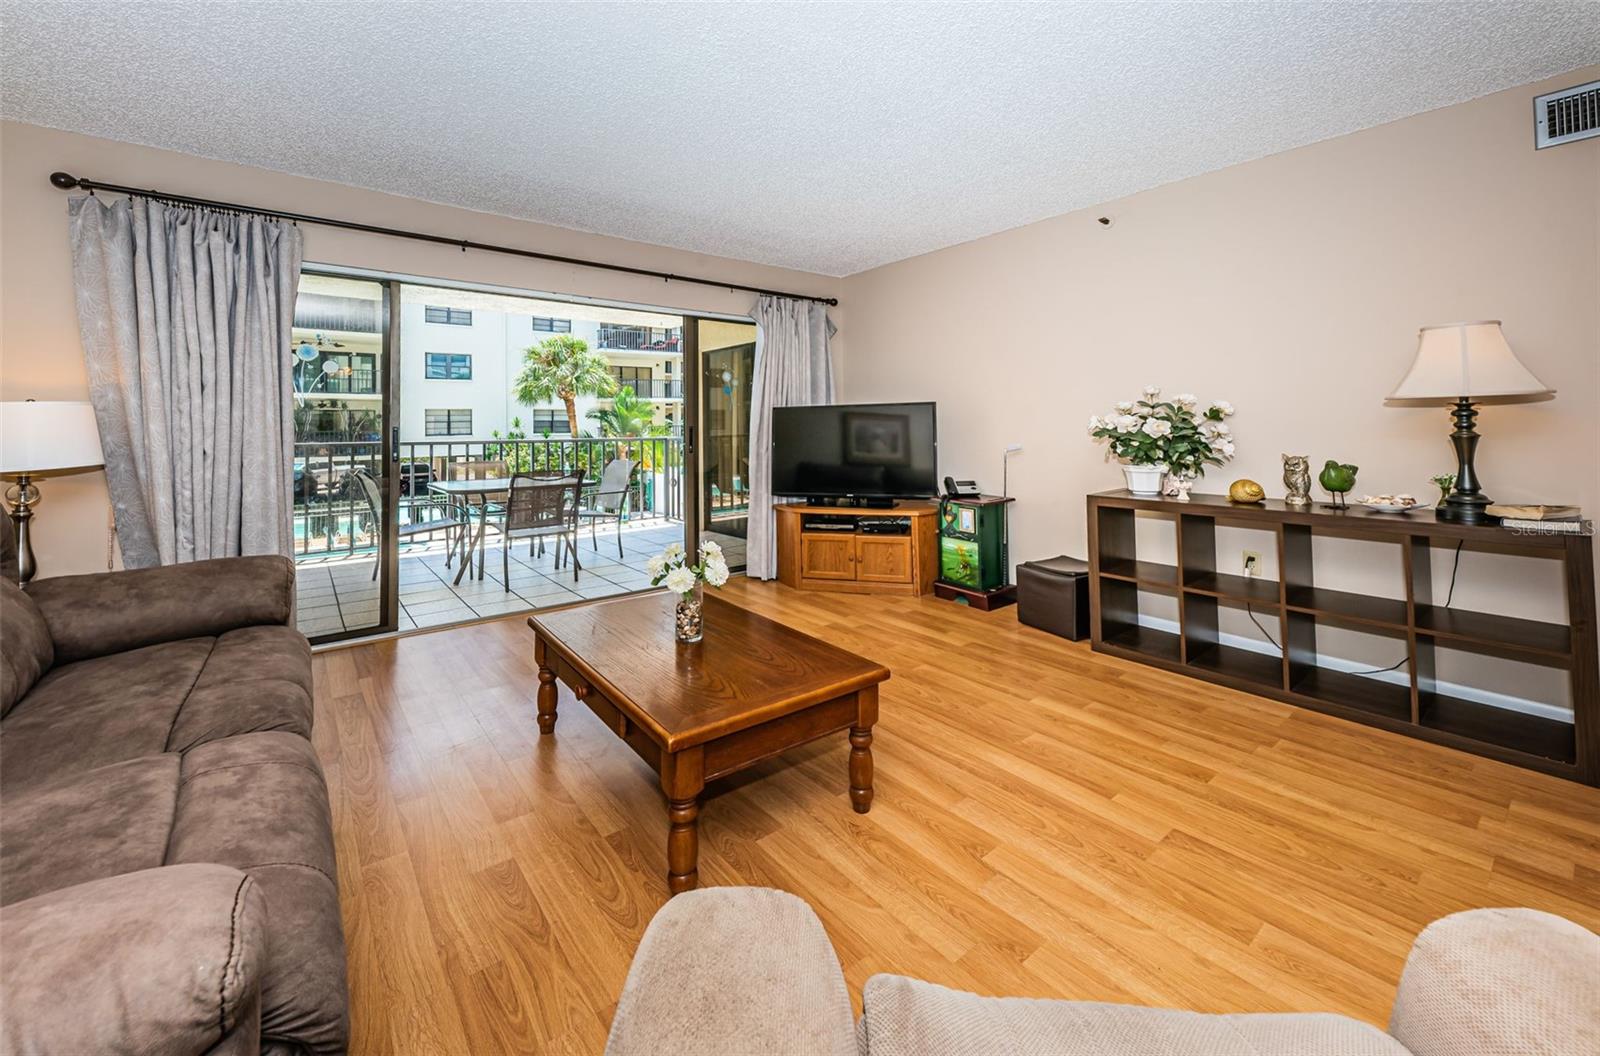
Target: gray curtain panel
186,317
792,369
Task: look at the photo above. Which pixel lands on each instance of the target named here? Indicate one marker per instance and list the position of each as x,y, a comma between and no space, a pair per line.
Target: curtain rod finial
65,181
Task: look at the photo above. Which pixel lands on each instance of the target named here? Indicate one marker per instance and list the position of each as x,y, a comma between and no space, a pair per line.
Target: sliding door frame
391,387
388,548
693,472
696,515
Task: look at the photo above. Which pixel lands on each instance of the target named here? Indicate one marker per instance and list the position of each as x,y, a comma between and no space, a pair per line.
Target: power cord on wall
1448,599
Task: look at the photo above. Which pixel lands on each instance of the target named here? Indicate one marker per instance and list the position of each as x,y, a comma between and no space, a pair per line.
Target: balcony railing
331,516
653,388
354,383
727,474
639,339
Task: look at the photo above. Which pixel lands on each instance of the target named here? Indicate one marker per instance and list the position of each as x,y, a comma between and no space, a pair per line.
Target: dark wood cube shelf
1294,607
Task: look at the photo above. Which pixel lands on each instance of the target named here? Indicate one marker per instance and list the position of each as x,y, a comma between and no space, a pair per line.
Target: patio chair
453,517
610,500
536,509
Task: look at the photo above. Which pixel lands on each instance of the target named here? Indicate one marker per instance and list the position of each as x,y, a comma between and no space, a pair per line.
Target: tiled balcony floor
337,594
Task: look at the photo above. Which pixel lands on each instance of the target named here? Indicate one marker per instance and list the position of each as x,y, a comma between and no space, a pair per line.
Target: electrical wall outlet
1252,563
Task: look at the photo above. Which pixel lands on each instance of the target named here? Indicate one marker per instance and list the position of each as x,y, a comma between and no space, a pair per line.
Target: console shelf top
1355,519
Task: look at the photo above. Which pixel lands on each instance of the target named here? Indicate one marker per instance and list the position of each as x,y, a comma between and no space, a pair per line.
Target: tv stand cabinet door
827,556
883,559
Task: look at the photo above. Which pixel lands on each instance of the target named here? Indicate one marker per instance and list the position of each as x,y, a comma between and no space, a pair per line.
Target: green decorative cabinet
972,551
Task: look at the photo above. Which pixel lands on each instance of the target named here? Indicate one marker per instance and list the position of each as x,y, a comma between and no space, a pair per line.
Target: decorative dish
1390,503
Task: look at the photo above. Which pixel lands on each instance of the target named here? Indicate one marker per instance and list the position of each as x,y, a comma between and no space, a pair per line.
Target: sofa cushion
258,802
907,1017
256,678
84,826
102,613
157,961
101,711
28,651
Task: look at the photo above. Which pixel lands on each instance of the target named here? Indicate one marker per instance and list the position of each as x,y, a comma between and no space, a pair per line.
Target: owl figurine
1297,478
1338,478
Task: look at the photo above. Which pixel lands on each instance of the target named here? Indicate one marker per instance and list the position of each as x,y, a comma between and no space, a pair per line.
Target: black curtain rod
67,182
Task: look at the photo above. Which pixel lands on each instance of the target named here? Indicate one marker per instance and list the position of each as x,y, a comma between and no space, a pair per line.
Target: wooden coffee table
750,690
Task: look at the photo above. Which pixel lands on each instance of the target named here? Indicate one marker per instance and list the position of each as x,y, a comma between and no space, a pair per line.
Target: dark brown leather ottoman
1053,595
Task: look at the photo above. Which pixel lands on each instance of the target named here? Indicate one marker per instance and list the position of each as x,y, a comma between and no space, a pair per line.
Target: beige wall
1292,286
40,354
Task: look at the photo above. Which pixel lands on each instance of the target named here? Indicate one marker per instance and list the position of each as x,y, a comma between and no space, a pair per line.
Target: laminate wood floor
1100,831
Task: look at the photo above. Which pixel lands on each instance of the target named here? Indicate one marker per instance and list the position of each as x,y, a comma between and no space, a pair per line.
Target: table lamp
42,439
1464,364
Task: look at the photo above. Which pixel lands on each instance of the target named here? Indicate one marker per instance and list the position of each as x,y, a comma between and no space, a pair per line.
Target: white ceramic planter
1145,480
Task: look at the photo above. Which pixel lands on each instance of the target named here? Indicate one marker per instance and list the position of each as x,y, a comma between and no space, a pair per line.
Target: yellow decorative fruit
1245,490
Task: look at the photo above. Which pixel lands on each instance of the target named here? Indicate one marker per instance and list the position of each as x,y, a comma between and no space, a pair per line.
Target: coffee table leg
683,845
546,699
683,779
861,768
861,749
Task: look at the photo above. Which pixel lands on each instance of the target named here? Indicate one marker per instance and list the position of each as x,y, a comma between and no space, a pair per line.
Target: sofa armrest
1500,982
112,612
163,960
734,969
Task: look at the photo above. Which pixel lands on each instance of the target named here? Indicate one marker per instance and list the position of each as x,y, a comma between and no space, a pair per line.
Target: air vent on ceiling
1567,115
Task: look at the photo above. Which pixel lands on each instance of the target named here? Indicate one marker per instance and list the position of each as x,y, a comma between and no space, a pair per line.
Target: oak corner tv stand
1419,704
857,558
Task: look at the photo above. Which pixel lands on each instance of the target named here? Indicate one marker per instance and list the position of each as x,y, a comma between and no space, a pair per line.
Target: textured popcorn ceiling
826,137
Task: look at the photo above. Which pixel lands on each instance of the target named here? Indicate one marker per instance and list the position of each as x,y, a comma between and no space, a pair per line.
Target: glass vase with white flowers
671,568
1153,437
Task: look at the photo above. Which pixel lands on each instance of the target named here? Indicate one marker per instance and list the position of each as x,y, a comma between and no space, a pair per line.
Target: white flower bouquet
671,568
1151,431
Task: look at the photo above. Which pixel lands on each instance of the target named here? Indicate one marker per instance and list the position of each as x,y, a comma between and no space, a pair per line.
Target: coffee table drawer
736,751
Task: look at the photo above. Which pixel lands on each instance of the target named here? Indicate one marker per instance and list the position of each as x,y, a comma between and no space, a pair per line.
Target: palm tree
563,368
628,415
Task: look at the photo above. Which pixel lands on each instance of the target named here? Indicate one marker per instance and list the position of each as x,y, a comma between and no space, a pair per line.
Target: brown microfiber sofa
166,851
748,969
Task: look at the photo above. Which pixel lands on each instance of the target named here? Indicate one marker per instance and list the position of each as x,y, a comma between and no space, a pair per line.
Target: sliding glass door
343,509
500,384
726,353
415,405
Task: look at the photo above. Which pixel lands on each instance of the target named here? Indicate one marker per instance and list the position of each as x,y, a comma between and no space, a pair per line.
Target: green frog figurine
1338,478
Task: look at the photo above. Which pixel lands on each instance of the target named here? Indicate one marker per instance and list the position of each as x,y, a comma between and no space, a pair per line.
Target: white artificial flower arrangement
672,568
1152,431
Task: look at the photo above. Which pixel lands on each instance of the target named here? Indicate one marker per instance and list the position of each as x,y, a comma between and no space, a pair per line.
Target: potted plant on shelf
671,568
1152,437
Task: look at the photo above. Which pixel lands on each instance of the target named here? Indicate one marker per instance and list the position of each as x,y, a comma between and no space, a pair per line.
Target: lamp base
22,497
1466,509
1466,504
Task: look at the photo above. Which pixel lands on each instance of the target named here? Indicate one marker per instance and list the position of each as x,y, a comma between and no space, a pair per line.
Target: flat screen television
857,451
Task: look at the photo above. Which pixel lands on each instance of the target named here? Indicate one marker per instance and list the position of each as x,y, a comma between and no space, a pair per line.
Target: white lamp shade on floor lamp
44,438
1466,359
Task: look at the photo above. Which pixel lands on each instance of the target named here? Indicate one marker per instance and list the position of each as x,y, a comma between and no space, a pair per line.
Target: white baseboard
1399,678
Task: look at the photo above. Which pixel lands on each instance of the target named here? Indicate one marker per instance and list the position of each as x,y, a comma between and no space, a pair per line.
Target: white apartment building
460,356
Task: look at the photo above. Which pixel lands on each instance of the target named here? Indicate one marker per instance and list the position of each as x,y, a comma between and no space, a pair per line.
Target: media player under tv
886,526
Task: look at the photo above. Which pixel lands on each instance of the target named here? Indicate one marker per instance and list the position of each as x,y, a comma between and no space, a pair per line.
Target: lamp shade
1466,360
41,438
